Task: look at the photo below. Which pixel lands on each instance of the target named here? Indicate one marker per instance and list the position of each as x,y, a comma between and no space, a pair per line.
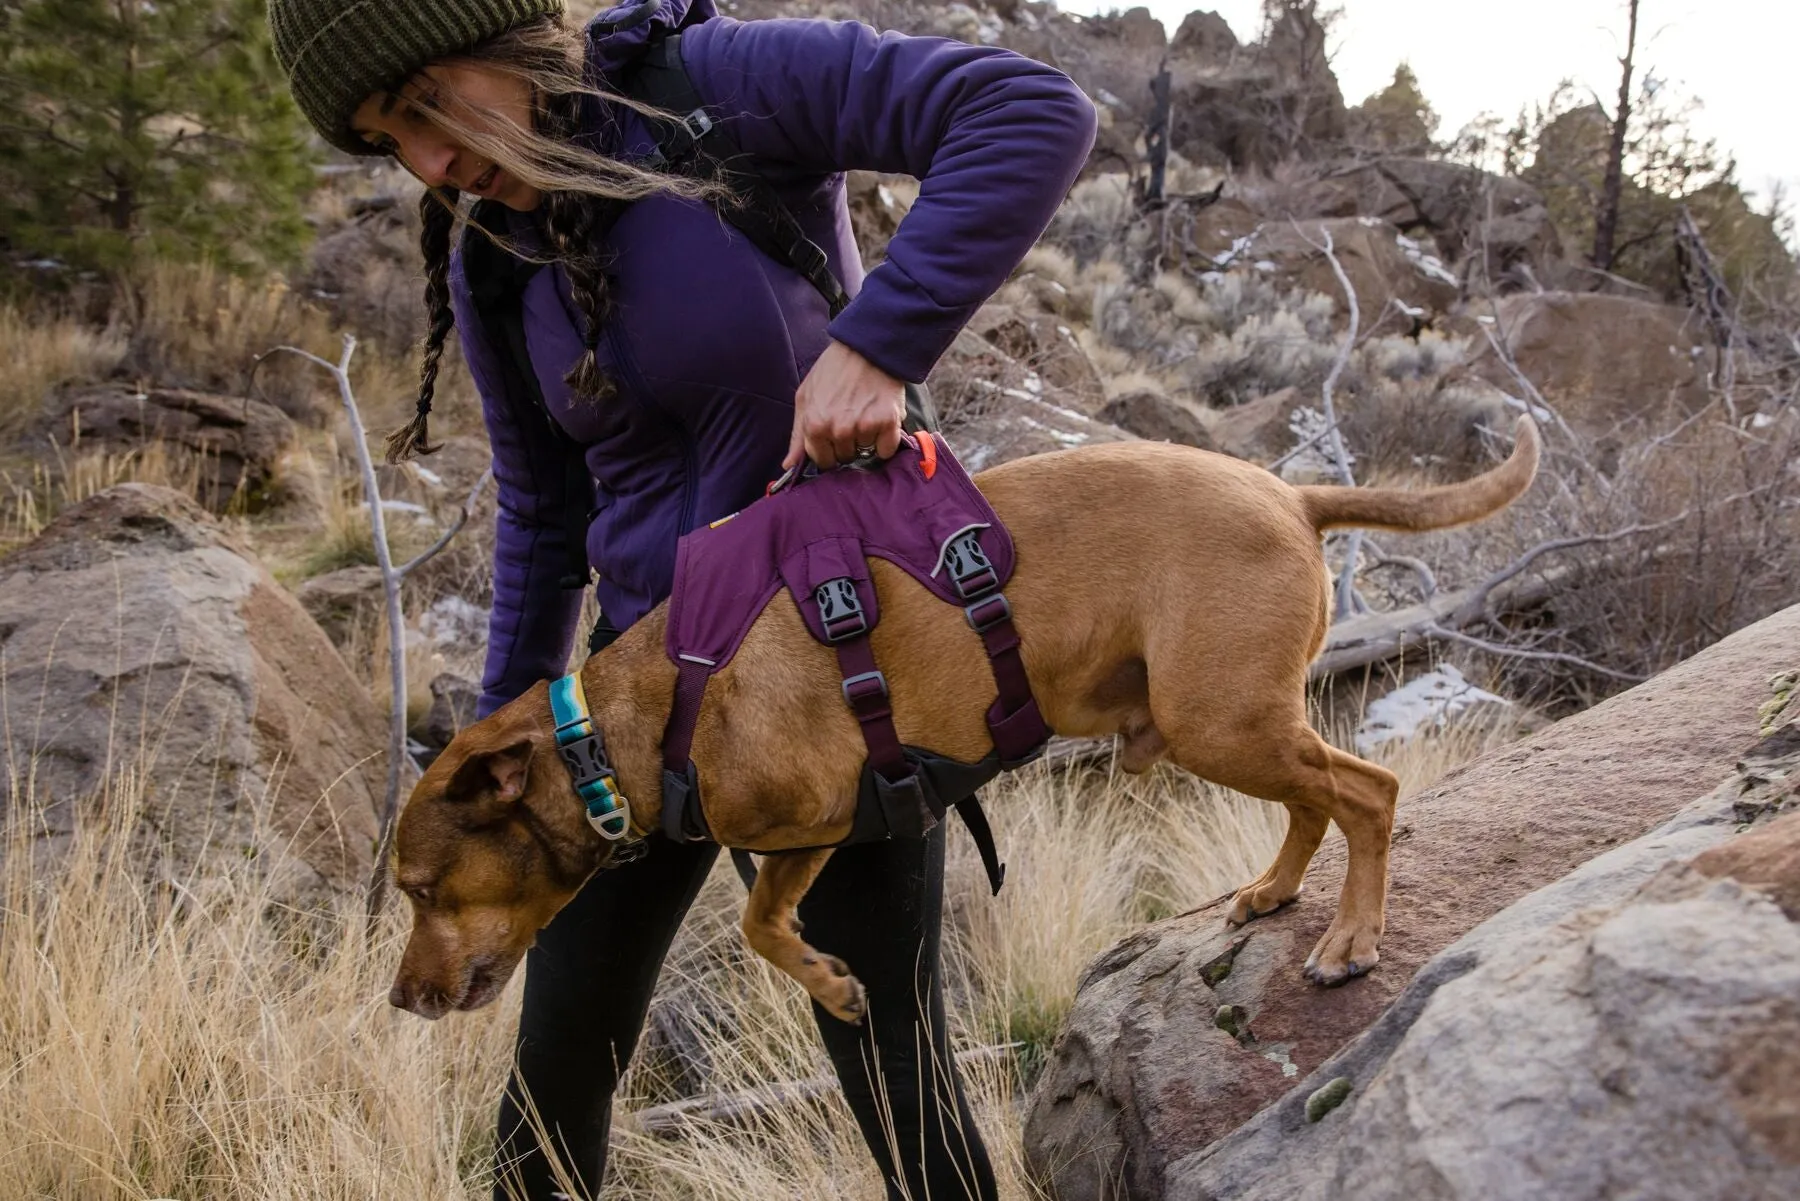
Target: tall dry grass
189,1038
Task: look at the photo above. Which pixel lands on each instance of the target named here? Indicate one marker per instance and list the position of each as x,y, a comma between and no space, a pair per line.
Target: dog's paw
1257,900
843,996
1342,955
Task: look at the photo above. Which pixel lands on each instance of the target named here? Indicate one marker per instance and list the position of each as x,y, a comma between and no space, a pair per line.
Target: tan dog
1164,594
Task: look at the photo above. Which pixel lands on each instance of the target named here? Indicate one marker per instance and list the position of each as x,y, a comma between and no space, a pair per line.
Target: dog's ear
501,772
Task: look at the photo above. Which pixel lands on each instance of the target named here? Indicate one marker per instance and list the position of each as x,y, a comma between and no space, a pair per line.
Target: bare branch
1495,648
462,519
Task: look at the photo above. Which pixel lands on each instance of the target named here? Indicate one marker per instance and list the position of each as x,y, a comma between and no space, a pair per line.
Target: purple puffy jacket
711,337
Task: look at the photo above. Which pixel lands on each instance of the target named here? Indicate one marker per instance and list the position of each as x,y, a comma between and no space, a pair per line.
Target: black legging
587,992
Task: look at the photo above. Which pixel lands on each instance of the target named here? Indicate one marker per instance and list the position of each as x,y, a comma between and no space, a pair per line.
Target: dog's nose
398,996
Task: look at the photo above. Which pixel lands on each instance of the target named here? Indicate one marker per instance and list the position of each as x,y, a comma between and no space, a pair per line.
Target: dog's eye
421,895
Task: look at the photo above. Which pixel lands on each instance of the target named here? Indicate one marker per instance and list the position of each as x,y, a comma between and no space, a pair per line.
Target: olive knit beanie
337,52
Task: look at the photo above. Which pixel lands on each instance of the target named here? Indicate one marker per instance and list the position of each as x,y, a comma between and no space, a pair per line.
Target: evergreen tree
1396,120
147,127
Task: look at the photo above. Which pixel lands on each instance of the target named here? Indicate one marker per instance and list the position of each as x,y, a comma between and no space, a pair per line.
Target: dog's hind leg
772,928
1278,757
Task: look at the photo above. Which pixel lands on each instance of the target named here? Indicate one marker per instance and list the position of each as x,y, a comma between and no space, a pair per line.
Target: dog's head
492,842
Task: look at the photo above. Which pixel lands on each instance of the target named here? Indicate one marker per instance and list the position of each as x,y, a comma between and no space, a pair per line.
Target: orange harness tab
928,453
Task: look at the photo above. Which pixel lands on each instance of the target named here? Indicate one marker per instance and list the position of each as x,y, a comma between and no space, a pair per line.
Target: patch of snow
1762,421
886,197
1059,289
1429,701
1239,246
427,474
417,512
1265,264
453,621
1428,264
1065,332
1306,424
1543,415
1484,319
1107,98
1408,309
1368,222
1033,384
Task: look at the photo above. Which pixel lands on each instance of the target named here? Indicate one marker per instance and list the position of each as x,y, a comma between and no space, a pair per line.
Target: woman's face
483,97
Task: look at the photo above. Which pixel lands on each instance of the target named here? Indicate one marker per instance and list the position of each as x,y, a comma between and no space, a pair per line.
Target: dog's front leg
772,928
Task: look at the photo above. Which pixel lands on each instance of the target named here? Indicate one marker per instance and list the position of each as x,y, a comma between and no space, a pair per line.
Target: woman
689,368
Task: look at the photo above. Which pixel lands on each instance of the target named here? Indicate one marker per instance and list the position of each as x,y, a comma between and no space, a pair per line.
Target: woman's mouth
485,180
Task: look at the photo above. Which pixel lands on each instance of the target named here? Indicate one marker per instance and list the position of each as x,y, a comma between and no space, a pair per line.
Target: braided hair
574,221
437,217
583,194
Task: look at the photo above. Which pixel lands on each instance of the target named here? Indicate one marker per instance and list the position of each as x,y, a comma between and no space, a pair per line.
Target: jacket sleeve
995,139
531,626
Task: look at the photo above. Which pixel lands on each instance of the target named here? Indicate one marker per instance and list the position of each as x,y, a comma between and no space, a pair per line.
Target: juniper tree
147,127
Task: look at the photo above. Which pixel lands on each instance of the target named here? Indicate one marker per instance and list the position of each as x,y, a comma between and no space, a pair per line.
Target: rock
341,601
1157,417
1629,1031
877,205
1384,266
1257,430
140,640
237,441
1204,37
1142,1078
1046,347
1468,212
452,707
1600,359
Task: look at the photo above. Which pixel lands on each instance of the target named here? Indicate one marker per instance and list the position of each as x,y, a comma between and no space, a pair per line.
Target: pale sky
1737,56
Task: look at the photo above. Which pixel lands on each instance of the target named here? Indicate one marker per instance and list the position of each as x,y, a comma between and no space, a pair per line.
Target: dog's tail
1429,508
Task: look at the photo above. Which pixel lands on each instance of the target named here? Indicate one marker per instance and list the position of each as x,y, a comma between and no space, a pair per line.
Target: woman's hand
846,406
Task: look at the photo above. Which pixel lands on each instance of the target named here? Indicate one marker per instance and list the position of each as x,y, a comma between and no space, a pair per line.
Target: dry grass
32,496
43,352
189,1039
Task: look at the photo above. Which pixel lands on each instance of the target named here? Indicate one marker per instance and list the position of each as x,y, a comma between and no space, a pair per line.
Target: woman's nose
431,159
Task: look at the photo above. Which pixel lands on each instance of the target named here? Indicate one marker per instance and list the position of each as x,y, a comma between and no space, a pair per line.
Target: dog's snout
397,996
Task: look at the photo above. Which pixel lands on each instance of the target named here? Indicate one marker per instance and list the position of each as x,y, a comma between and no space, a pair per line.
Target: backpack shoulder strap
693,143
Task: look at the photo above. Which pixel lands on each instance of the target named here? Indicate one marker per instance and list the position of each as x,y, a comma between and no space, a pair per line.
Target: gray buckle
840,609
969,567
988,612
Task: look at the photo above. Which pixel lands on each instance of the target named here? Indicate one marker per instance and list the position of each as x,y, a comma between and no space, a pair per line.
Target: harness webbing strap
866,692
1018,729
678,735
583,751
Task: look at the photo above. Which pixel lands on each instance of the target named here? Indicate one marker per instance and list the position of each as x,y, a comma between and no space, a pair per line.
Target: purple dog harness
920,512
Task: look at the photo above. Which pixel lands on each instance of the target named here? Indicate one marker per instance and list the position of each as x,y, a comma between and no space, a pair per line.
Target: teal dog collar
583,751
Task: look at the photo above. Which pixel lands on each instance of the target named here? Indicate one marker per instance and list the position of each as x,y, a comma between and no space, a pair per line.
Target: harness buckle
840,609
867,695
969,567
988,612
698,124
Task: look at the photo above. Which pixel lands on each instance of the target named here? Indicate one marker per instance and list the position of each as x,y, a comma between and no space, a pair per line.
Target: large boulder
232,443
1145,1073
1632,1030
1492,226
145,650
1387,268
1600,360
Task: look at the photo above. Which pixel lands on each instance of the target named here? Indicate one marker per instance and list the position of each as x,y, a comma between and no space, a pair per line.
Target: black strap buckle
867,695
988,612
585,759
840,609
969,567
